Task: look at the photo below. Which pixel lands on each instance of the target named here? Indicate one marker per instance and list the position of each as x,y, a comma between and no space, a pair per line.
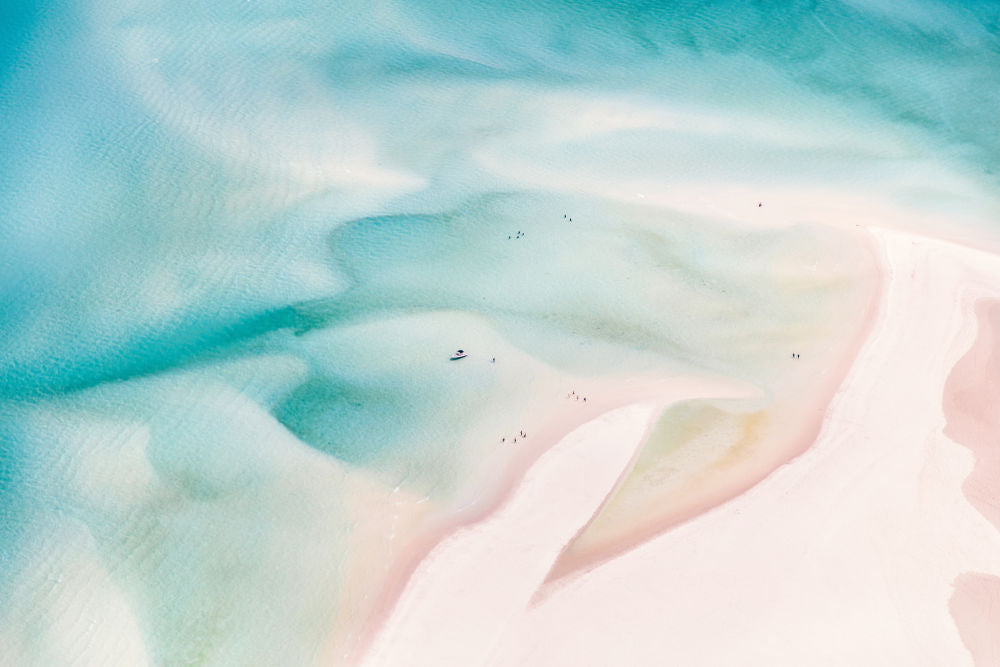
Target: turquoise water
238,242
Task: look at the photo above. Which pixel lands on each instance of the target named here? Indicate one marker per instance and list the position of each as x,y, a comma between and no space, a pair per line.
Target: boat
459,354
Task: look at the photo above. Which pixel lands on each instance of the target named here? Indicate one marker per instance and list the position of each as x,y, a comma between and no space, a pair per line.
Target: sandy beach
587,463
863,550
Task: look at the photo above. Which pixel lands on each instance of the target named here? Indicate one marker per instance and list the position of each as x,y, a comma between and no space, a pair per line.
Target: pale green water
238,242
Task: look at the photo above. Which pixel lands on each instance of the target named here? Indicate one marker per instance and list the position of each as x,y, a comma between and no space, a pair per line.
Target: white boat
459,354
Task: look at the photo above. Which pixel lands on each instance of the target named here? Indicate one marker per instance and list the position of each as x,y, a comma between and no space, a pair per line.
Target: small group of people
521,432
565,218
519,235
577,396
796,356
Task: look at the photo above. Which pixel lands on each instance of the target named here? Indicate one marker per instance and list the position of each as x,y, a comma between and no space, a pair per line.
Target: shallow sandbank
847,555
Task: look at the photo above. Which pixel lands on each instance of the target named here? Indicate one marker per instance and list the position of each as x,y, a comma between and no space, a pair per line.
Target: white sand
845,556
480,578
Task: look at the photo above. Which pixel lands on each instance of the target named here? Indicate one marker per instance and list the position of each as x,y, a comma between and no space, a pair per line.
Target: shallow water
239,241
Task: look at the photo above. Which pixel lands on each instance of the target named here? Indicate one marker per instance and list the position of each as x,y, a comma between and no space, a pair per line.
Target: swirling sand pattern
239,241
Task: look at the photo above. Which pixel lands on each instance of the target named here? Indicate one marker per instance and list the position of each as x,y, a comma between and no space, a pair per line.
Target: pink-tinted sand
853,553
604,396
972,407
975,606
